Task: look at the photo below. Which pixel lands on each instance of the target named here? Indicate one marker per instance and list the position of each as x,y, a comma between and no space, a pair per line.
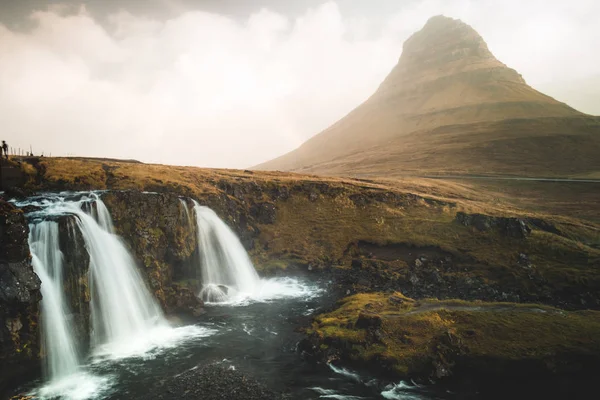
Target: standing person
5,149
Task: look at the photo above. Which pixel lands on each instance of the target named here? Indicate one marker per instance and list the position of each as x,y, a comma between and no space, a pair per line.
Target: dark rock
30,209
263,213
359,199
19,299
510,227
543,225
396,300
367,319
211,382
76,277
280,193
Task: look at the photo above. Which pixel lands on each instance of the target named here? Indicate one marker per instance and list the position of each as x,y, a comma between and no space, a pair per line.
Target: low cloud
204,89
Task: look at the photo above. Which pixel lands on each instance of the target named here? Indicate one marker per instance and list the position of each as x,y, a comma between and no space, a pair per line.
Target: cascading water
225,265
61,352
122,307
126,320
186,212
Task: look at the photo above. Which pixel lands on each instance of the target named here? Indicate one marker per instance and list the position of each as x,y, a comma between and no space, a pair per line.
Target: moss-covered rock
456,341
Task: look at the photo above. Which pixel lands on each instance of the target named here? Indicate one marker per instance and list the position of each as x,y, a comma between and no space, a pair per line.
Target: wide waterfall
61,352
122,307
226,268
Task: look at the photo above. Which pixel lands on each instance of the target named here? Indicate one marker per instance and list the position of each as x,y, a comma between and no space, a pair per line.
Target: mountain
449,106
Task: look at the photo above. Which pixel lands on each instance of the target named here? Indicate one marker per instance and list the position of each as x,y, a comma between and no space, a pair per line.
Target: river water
256,336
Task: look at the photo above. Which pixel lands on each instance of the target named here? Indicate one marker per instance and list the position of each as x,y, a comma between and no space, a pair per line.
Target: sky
226,83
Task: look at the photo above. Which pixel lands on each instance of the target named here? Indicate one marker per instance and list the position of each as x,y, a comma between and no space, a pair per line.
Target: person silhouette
5,149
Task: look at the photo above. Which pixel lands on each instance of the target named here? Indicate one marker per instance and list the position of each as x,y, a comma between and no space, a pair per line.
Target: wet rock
19,299
75,277
30,209
211,382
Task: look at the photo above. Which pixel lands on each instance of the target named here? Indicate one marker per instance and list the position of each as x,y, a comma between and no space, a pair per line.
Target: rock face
76,262
450,105
19,298
511,227
163,240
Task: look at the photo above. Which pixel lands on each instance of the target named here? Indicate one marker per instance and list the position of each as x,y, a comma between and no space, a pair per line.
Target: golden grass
320,231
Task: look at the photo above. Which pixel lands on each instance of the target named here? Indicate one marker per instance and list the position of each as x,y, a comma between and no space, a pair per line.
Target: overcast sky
224,83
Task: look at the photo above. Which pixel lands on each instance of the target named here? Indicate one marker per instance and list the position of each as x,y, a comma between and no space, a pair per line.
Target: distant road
511,178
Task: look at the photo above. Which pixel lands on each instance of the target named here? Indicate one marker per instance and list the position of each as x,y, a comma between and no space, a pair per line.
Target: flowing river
250,324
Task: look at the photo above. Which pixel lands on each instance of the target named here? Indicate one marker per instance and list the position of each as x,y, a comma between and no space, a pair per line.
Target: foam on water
225,266
401,391
269,290
151,343
79,386
345,373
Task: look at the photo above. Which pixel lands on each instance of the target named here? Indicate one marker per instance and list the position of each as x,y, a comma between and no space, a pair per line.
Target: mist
207,89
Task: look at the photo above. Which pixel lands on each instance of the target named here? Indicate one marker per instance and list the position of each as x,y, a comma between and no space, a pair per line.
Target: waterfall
122,307
186,212
61,352
226,269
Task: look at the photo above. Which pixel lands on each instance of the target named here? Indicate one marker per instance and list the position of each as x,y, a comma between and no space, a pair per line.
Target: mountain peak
449,104
446,47
449,38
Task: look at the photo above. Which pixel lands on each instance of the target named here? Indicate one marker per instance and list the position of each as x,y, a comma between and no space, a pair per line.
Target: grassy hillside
450,107
370,233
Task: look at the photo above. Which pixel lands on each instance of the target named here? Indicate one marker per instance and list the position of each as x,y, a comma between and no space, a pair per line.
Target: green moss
413,336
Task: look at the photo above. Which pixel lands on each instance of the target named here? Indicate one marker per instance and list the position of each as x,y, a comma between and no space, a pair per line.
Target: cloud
208,90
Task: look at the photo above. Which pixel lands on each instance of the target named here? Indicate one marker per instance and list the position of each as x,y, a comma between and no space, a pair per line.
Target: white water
226,269
345,372
228,276
62,362
61,352
186,213
126,320
122,307
401,391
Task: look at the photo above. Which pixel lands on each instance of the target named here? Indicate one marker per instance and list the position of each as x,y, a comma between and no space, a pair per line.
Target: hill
449,106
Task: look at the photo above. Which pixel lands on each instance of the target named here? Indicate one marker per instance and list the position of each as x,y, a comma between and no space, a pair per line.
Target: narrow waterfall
226,269
186,212
61,351
122,307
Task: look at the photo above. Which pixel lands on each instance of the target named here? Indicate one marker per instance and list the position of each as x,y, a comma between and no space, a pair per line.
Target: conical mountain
449,106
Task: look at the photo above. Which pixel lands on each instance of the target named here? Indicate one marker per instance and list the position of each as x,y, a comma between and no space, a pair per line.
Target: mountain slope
450,106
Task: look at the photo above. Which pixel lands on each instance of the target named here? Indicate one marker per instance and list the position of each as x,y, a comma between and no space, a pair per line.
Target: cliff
19,299
427,239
